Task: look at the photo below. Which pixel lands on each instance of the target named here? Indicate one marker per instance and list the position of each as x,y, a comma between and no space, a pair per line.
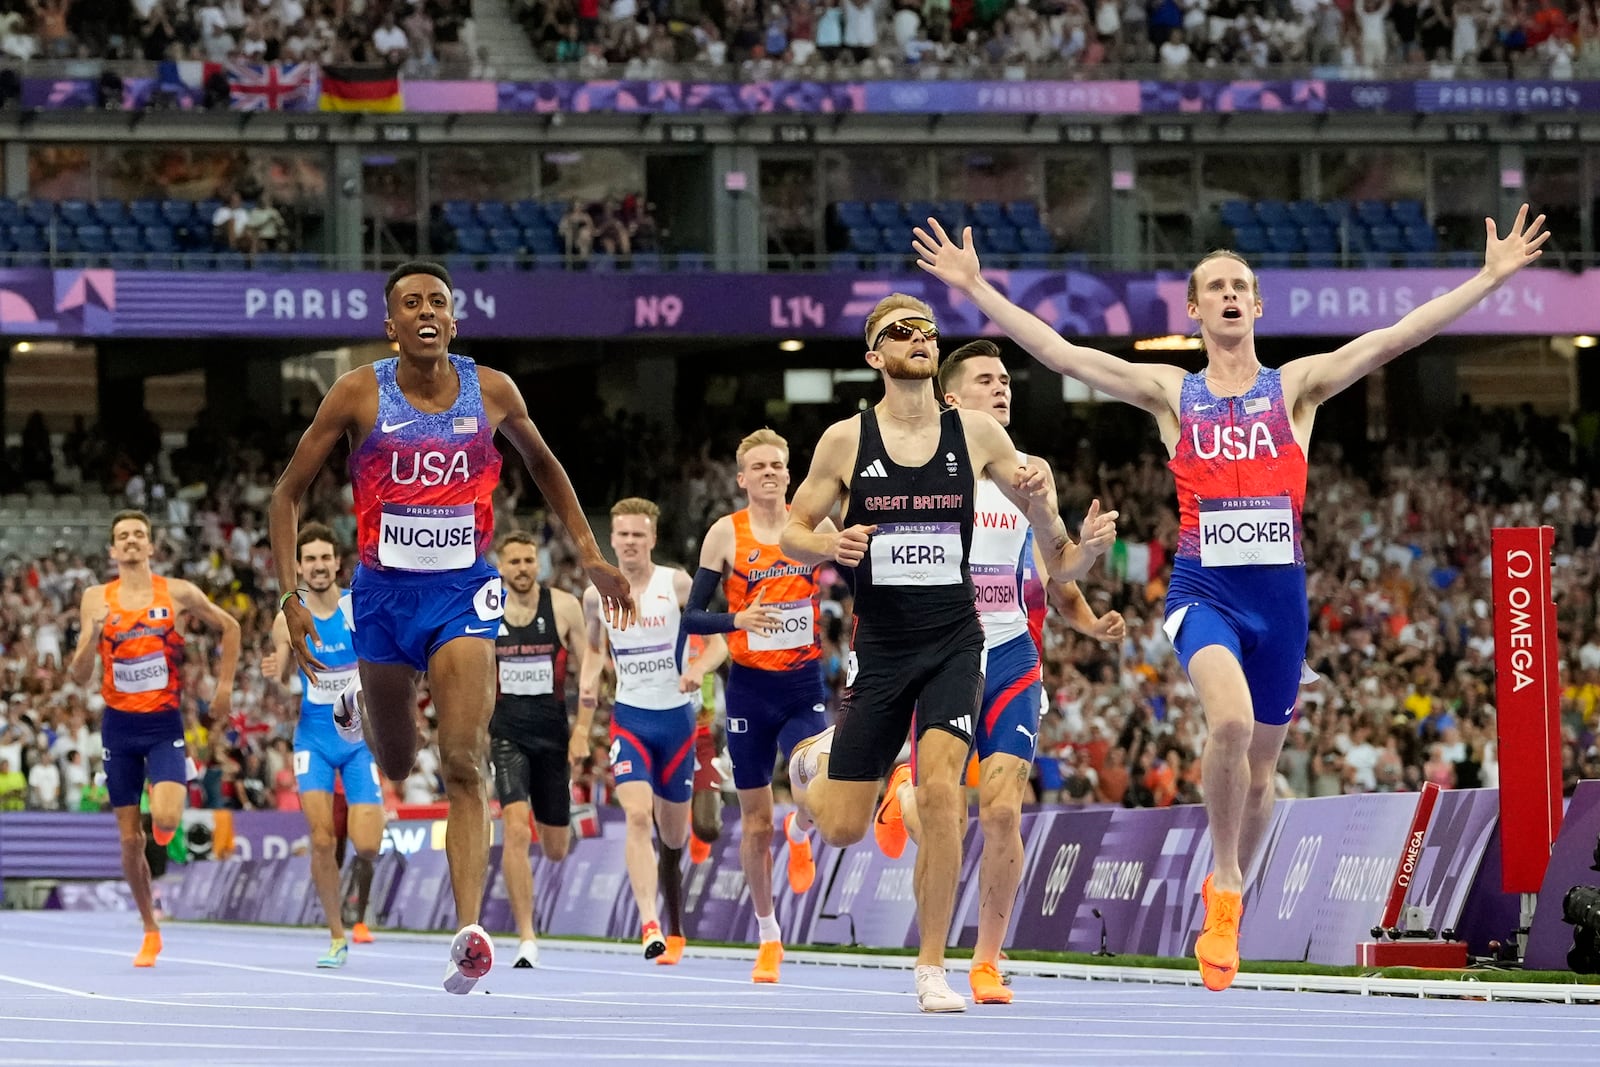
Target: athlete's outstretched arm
716,554
551,478
1316,378
1069,600
187,596
594,653
818,495
1148,386
337,415
279,664
573,635
92,613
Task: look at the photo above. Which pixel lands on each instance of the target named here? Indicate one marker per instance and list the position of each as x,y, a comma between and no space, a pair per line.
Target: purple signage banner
1572,862
596,879
1299,303
1060,852
1452,852
92,896
288,885
425,880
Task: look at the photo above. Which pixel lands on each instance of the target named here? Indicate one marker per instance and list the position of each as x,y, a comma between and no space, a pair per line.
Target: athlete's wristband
283,600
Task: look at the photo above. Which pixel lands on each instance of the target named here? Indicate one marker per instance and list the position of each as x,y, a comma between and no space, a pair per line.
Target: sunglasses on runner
905,329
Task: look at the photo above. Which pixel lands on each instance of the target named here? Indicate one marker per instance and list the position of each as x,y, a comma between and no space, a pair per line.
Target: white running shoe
347,709
471,956
527,954
934,993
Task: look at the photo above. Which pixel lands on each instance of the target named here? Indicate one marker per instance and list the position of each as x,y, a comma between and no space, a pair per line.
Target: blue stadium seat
206,210
506,242
917,212
1409,213
529,214
127,239
459,264
1037,241
1339,212
10,212
862,240
1421,238
540,240
952,215
1385,238
305,261
111,213
1319,239
1307,213
26,237
494,214
458,213
885,213
1373,213
472,241
1236,213
161,261
1024,214
555,211
92,238
39,212
896,240
851,215
1249,240
987,214
1284,238
1001,240
179,212
1274,213
159,238
74,213
144,213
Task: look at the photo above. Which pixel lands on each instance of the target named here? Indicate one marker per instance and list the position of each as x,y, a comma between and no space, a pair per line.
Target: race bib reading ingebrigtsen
426,537
1246,531
995,585
916,553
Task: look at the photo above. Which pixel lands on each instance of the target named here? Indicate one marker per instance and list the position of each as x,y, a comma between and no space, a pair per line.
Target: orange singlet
783,584
142,651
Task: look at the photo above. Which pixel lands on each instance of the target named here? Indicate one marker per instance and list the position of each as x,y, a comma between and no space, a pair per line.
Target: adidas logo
874,470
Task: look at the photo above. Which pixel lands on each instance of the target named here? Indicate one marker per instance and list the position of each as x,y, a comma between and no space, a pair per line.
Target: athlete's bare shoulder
561,599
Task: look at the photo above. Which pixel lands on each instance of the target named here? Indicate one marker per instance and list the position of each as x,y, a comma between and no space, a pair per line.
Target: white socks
770,930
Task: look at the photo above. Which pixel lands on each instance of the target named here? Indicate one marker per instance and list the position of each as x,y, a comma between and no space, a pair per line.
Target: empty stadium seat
505,242
1274,213
111,213
1236,213
1284,237
159,238
494,214
1024,214
127,239
1001,240
1409,213
1373,213
179,212
987,214
472,241
1249,240
145,213
852,215
530,214
862,240
885,213
1307,213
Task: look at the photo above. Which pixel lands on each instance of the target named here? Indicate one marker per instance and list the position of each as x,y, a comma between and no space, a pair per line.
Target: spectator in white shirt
390,41
860,29
1175,54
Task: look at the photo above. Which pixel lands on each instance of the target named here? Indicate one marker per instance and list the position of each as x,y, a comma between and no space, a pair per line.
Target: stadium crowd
1402,639
851,38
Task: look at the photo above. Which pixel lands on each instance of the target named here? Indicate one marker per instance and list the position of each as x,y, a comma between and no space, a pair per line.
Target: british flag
272,86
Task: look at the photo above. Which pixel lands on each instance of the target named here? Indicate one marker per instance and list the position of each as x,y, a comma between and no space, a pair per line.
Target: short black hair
416,266
971,350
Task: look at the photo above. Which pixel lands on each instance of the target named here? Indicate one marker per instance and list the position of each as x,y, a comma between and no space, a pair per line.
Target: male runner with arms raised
423,470
653,720
530,744
320,751
131,622
776,694
1237,434
906,473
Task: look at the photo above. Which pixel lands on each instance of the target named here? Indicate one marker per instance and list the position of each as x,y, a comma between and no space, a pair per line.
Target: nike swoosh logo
391,427
476,630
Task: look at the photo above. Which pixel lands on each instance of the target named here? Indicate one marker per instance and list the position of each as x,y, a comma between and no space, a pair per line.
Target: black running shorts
535,774
939,680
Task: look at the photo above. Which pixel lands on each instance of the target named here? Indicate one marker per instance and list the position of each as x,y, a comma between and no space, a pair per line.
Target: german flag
360,89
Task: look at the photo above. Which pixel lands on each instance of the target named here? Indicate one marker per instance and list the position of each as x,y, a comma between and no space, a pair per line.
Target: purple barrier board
1301,303
92,896
1572,862
869,900
1060,852
496,914
287,885
426,877
1489,913
596,879
1456,843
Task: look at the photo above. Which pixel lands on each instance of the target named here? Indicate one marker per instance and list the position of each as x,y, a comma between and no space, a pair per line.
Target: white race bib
1246,531
329,684
527,676
147,674
996,587
414,537
916,553
795,629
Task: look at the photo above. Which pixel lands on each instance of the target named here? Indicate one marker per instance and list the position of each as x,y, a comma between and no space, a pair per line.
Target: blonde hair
637,505
763,436
1223,253
892,303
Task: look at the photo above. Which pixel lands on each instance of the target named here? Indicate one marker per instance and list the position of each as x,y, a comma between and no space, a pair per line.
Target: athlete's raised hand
851,546
270,666
1099,531
616,599
302,631
759,618
1031,480
954,264
1504,256
1109,628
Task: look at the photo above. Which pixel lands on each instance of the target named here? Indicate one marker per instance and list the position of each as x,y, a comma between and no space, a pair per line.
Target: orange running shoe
1217,947
699,851
674,951
889,825
148,950
987,985
654,943
802,866
360,934
768,957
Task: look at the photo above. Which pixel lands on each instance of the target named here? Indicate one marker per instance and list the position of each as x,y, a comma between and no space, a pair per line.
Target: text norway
1267,531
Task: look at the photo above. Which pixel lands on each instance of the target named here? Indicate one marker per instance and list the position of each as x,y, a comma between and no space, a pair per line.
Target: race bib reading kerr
916,553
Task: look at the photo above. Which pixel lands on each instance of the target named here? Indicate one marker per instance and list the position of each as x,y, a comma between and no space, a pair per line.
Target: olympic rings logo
428,561
1055,883
1298,876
